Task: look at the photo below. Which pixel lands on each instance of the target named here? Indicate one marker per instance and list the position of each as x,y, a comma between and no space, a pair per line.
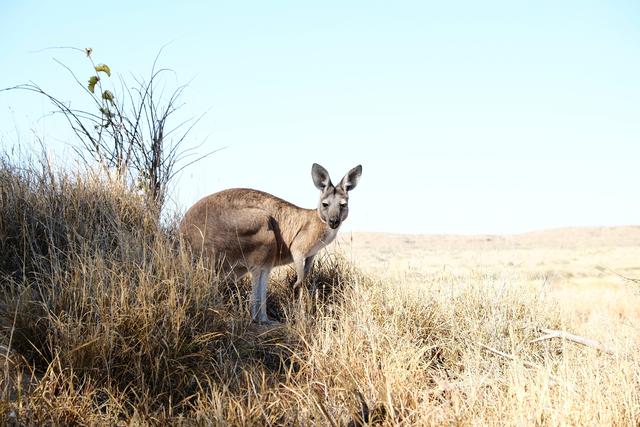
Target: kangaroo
251,232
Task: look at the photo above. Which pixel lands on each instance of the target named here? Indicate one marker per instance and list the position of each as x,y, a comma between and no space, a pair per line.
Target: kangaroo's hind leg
259,293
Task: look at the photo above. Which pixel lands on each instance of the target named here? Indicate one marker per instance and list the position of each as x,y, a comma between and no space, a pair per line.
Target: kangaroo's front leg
308,263
303,266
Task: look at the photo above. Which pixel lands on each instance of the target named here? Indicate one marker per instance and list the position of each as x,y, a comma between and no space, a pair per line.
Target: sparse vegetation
106,320
131,132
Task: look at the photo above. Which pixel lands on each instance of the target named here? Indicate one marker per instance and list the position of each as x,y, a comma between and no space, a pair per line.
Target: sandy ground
568,255
580,267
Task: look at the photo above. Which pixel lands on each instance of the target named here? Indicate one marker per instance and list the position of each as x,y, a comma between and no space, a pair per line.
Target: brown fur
251,228
249,231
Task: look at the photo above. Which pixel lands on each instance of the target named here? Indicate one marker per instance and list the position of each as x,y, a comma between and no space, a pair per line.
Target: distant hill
570,237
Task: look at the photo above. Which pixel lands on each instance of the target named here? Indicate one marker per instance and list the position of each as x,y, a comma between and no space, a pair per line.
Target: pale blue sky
468,117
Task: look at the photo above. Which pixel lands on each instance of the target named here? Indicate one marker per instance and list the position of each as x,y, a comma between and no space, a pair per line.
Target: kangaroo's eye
343,205
325,204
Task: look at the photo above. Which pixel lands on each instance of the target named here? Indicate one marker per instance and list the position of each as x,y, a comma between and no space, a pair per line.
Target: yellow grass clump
107,320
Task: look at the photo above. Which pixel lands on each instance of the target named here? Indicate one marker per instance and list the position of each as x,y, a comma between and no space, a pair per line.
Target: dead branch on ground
587,342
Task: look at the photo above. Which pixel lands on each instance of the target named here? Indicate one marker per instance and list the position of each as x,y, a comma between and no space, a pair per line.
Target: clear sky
467,116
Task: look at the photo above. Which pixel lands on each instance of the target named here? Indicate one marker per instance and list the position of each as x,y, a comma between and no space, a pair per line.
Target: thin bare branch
630,279
508,356
131,134
180,169
58,48
81,84
587,342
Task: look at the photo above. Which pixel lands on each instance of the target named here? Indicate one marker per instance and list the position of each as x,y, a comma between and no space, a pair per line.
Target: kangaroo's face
333,207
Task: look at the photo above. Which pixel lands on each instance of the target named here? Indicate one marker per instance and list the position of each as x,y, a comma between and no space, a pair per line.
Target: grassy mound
105,317
106,320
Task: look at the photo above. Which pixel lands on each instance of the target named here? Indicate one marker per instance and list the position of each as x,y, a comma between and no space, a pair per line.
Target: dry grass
107,321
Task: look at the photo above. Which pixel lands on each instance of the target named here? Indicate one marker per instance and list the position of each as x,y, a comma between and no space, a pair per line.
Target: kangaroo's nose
334,223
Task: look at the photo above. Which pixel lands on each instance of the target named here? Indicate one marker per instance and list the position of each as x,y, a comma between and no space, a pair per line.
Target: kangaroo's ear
320,177
351,179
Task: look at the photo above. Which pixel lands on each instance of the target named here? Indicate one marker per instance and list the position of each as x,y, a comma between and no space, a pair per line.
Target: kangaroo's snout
334,223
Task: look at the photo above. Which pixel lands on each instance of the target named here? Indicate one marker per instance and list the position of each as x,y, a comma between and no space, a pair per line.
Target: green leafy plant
129,131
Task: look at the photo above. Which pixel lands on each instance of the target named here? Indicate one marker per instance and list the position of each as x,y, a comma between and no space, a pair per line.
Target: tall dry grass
106,320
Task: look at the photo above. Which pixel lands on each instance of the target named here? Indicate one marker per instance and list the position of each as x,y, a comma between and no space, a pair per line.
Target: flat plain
504,295
583,270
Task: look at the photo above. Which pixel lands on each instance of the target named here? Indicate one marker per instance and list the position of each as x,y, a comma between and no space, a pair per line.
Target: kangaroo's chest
324,239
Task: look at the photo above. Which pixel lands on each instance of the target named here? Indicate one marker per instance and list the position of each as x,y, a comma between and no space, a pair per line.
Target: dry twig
508,356
529,365
588,342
